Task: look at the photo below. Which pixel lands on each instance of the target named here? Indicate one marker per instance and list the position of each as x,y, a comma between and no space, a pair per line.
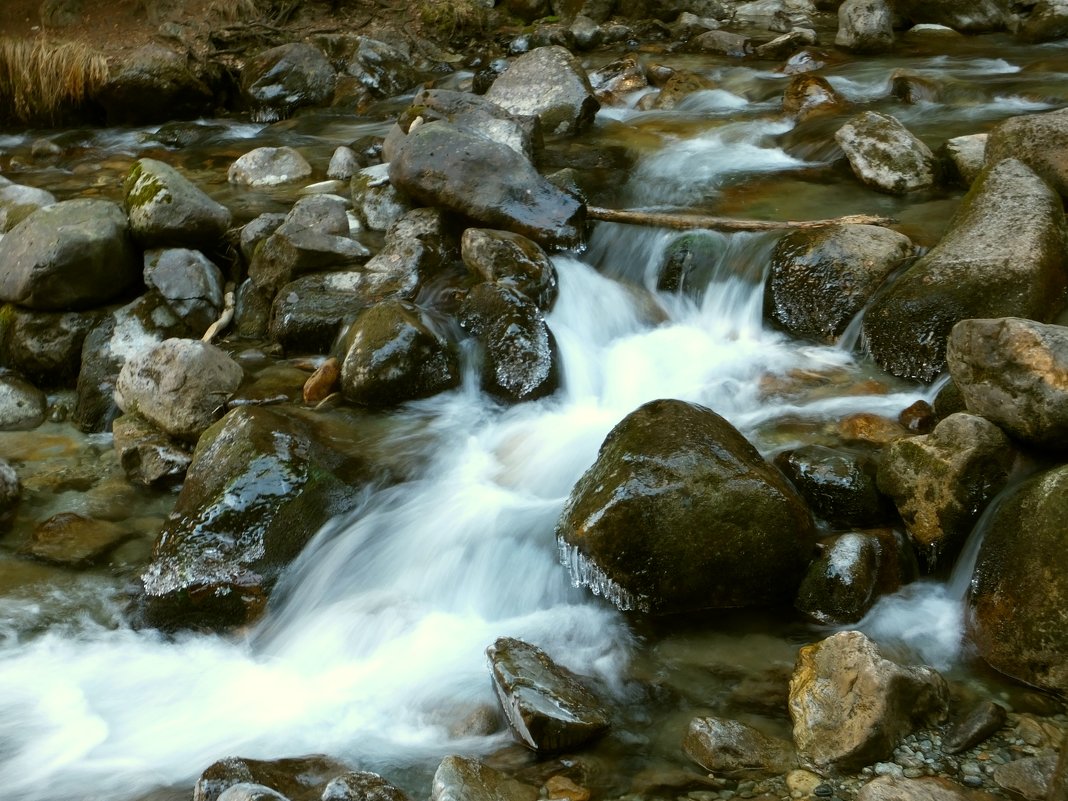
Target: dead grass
39,79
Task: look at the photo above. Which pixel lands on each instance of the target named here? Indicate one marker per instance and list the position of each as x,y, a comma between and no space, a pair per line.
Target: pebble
823,791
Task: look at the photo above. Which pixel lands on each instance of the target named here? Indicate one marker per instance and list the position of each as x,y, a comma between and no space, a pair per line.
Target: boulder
247,791
838,485
154,84
17,202
148,456
256,231
375,200
1028,778
613,82
885,155
964,156
269,166
865,26
550,84
73,540
808,94
297,778
45,347
1018,604
730,747
1038,140
510,260
680,512
927,788
344,163
820,279
966,16
975,726
393,353
417,246
548,707
851,707
71,255
786,44
278,81
189,283
22,405
376,70
1047,22
10,495
1003,255
726,43
442,165
166,209
307,314
463,779
361,785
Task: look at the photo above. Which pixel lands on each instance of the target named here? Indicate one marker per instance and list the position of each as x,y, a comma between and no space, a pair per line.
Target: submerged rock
463,779
885,155
166,209
689,263
729,747
549,83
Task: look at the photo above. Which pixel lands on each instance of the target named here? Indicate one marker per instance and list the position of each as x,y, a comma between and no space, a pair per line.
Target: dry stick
660,219
225,318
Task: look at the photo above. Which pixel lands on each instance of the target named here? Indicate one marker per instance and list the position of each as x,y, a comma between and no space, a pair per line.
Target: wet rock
45,347
550,84
1003,255
322,383
10,494
75,541
865,26
393,353
839,486
851,707
1058,784
256,231
375,199
547,706
71,255
1038,140
942,481
965,156
297,779
918,417
676,498
463,779
156,83
269,166
807,94
908,87
361,786
417,245
276,82
307,314
17,202
181,385
617,79
189,283
842,585
867,428
22,405
247,791
1028,778
786,45
729,747
442,165
1047,22
148,456
725,43
510,260
1013,372
379,69
975,727
689,263
1018,605
896,788
966,16
166,209
885,155
821,279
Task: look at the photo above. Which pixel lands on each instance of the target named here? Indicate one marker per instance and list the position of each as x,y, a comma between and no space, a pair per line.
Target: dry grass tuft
38,80
452,19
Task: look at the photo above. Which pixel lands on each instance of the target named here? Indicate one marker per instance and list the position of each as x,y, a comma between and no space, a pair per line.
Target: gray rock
1047,22
256,231
379,69
299,778
10,494
156,83
463,779
729,747
974,727
45,347
72,540
966,16
898,788
787,44
343,164
851,707
1028,778
377,203
189,283
17,202
865,26
510,260
417,245
724,42
276,82
885,155
550,84
71,255
269,166
587,34
181,385
1038,140
148,456
548,707
966,155
22,405
838,485
166,209
1003,255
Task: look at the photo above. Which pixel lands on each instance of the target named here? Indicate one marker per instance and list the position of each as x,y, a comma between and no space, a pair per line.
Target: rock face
1004,255
851,707
885,155
549,83
442,165
547,706
463,779
942,481
166,209
730,747
189,283
72,255
269,166
865,26
1038,140
1014,373
680,512
820,279
510,260
278,81
1018,606
966,16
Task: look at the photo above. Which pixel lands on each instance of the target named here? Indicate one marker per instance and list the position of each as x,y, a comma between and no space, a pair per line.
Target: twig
661,219
224,318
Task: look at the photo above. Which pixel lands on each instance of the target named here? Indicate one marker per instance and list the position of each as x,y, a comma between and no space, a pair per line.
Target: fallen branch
681,222
224,319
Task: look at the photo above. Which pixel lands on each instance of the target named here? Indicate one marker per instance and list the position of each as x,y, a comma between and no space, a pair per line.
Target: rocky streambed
359,434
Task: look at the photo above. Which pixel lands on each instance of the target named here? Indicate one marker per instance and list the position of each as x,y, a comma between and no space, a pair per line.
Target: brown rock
323,382
75,541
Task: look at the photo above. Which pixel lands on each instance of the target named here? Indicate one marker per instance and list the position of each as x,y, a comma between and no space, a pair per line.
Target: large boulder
966,16
269,166
443,165
1004,255
1018,605
189,283
1047,22
680,512
278,81
1014,373
851,707
156,83
550,84
45,347
166,209
865,26
72,255
885,155
730,747
1038,140
510,260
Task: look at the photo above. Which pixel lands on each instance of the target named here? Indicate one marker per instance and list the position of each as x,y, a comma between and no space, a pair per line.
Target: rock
807,94
22,405
689,263
868,428
71,255
189,283
865,26
550,84
442,165
1058,784
510,260
843,584
1003,255
394,353
344,164
851,707
17,202
378,69
148,456
547,706
166,209
463,779
278,81
307,314
417,245
362,786
1047,22
885,155
1027,778
45,347
269,166
677,498
928,788
10,495
377,203
520,358
323,382
974,727
786,45
914,89
617,79
1038,140
918,417
154,84
1018,614
729,747
1014,372
256,231
838,485
966,16
723,42
181,385
298,779
965,156
678,86
247,791
820,279
72,540
942,481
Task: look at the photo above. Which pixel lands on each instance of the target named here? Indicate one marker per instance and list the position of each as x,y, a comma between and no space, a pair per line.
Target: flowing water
373,649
